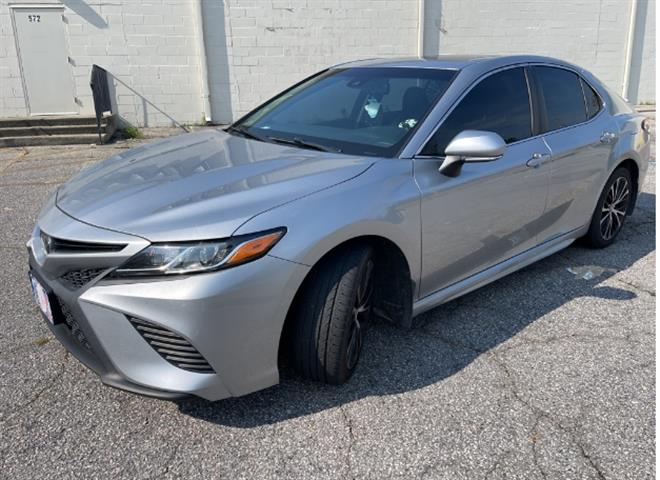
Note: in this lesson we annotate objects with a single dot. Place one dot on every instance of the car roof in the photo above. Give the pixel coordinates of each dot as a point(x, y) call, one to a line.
point(452, 62)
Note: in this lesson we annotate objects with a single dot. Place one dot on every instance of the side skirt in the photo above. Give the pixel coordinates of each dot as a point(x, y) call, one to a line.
point(497, 271)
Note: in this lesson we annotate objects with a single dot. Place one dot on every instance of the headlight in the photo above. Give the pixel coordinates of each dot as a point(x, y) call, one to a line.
point(194, 257)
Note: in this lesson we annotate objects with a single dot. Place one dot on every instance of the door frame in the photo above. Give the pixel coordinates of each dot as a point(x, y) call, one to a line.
point(26, 95)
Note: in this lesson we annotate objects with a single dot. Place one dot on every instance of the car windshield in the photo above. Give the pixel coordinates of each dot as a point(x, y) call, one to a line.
point(359, 111)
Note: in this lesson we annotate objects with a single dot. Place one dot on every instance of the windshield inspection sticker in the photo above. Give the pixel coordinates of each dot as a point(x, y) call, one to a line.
point(372, 107)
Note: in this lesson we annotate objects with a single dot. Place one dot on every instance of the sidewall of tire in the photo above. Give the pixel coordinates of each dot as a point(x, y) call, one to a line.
point(322, 316)
point(594, 236)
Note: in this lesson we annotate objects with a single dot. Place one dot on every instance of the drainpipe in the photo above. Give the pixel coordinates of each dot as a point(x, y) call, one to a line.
point(627, 67)
point(420, 29)
point(198, 6)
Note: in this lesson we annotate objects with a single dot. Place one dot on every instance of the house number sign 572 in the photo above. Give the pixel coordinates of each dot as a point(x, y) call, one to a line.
point(34, 18)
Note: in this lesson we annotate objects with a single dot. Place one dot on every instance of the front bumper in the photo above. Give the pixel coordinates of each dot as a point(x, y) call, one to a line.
point(232, 317)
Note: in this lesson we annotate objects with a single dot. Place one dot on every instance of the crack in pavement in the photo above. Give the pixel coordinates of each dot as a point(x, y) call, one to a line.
point(635, 286)
point(23, 154)
point(51, 383)
point(351, 440)
point(535, 453)
point(58, 181)
point(537, 411)
point(542, 414)
point(48, 165)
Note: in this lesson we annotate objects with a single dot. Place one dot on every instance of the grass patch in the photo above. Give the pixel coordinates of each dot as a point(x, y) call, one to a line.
point(132, 132)
point(42, 341)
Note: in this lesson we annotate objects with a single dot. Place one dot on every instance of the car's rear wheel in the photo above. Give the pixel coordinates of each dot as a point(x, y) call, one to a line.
point(331, 313)
point(611, 210)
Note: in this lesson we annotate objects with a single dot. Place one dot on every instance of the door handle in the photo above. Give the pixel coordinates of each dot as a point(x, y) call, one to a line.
point(607, 137)
point(538, 159)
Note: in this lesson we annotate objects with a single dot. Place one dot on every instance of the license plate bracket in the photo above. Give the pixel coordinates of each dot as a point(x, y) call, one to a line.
point(45, 299)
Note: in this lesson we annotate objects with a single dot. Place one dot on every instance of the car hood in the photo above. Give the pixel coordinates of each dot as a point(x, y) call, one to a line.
point(199, 186)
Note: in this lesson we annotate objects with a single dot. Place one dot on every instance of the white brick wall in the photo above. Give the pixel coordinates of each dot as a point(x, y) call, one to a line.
point(643, 74)
point(149, 45)
point(271, 44)
point(12, 102)
point(255, 48)
point(590, 33)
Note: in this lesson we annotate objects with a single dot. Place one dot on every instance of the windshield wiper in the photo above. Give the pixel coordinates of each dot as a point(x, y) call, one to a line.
point(243, 131)
point(299, 142)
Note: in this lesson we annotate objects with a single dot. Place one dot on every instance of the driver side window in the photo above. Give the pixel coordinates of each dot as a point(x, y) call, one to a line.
point(499, 103)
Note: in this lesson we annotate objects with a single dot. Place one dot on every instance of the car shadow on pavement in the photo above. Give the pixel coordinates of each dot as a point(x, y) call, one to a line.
point(448, 338)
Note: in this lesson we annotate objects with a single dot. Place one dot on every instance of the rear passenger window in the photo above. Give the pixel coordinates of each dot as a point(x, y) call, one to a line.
point(561, 94)
point(499, 103)
point(591, 100)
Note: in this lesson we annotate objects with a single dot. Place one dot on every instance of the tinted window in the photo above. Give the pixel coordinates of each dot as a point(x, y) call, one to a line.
point(591, 100)
point(360, 111)
point(499, 103)
point(561, 93)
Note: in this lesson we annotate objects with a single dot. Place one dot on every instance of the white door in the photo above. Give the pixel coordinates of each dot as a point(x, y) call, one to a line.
point(42, 51)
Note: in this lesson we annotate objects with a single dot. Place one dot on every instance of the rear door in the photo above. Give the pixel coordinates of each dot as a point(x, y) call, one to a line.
point(580, 135)
point(493, 210)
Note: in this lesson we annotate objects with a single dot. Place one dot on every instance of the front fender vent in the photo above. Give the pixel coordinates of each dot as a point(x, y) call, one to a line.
point(172, 347)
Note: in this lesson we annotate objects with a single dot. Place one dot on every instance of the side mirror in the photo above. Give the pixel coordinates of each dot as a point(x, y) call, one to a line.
point(471, 146)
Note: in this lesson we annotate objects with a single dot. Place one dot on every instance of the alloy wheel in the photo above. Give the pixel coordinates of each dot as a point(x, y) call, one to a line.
point(614, 208)
point(360, 314)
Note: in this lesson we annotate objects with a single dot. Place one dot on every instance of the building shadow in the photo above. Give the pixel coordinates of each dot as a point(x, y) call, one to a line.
point(448, 338)
point(86, 12)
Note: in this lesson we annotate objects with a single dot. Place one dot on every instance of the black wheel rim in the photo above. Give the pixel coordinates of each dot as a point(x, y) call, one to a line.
point(614, 208)
point(360, 315)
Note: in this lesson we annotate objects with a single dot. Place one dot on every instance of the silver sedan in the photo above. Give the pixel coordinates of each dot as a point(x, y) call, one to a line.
point(375, 189)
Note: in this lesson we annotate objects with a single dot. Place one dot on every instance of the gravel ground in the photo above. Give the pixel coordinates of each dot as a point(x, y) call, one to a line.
point(548, 373)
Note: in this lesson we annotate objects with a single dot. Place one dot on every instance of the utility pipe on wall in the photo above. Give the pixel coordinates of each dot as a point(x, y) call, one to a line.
point(627, 67)
point(201, 51)
point(420, 31)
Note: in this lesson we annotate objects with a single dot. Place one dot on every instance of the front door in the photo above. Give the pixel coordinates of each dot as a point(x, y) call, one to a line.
point(42, 51)
point(492, 210)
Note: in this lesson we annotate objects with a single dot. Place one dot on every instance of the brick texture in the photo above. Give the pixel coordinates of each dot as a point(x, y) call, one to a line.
point(148, 45)
point(261, 47)
point(256, 48)
point(590, 33)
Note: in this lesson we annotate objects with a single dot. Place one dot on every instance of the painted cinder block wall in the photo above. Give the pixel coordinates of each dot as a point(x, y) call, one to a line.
point(255, 48)
point(150, 45)
point(590, 33)
point(265, 46)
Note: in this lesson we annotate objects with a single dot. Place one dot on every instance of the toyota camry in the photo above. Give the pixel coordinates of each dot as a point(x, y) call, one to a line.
point(373, 189)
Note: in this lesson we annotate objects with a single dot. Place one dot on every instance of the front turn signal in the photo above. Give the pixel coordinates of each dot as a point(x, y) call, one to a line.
point(254, 248)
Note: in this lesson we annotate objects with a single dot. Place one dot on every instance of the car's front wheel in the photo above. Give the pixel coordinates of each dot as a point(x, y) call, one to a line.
point(331, 313)
point(611, 210)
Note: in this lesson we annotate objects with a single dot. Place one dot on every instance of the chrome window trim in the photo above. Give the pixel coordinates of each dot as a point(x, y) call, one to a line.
point(604, 105)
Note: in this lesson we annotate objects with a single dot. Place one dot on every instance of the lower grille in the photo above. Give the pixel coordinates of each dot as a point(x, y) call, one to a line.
point(76, 279)
point(172, 347)
point(73, 325)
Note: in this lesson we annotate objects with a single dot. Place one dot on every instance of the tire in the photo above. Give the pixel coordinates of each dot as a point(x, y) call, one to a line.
point(328, 325)
point(611, 210)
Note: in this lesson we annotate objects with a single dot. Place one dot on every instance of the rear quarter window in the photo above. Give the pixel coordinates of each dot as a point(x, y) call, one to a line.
point(591, 100)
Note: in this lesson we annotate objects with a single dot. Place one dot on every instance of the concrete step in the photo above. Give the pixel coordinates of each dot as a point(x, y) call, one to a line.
point(49, 121)
point(41, 140)
point(48, 130)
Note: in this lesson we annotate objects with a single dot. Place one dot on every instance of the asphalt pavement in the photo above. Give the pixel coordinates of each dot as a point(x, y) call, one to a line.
point(548, 373)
